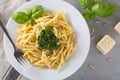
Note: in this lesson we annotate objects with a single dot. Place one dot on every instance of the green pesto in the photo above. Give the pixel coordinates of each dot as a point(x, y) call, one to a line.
point(48, 40)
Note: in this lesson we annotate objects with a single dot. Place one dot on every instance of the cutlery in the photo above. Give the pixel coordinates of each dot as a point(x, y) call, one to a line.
point(17, 52)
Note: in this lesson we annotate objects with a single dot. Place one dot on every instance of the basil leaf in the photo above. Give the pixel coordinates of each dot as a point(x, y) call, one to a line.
point(89, 15)
point(29, 11)
point(37, 14)
point(20, 17)
point(84, 3)
point(37, 8)
point(104, 9)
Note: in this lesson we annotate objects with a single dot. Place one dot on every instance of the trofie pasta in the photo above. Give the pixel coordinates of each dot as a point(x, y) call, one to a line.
point(42, 58)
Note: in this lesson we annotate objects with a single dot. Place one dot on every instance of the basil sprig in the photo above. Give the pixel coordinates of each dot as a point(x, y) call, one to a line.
point(84, 3)
point(28, 16)
point(97, 8)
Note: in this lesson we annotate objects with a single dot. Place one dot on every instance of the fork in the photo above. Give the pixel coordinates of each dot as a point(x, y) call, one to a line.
point(17, 52)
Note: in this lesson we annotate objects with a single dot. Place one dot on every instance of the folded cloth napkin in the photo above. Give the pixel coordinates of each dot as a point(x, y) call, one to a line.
point(6, 8)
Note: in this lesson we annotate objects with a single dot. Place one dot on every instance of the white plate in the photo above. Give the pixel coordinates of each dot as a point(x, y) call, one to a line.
point(83, 41)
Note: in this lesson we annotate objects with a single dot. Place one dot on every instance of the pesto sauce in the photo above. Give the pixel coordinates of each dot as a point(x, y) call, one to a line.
point(48, 40)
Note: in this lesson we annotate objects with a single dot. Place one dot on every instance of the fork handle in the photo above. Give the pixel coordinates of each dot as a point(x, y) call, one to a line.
point(7, 34)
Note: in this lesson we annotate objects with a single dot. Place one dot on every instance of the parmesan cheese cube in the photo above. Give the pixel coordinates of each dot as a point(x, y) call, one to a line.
point(117, 27)
point(105, 44)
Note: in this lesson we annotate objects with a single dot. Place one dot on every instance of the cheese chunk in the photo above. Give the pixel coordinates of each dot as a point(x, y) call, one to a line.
point(105, 44)
point(117, 27)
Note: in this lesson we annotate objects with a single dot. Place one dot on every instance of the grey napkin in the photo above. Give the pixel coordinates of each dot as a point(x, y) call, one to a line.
point(6, 8)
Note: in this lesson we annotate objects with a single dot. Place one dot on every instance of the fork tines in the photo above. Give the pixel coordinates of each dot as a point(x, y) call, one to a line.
point(24, 62)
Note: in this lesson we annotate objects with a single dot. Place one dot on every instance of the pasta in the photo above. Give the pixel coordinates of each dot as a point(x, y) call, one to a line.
point(41, 58)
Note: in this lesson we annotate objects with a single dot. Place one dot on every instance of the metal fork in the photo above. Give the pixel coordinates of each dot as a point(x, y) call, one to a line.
point(17, 52)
